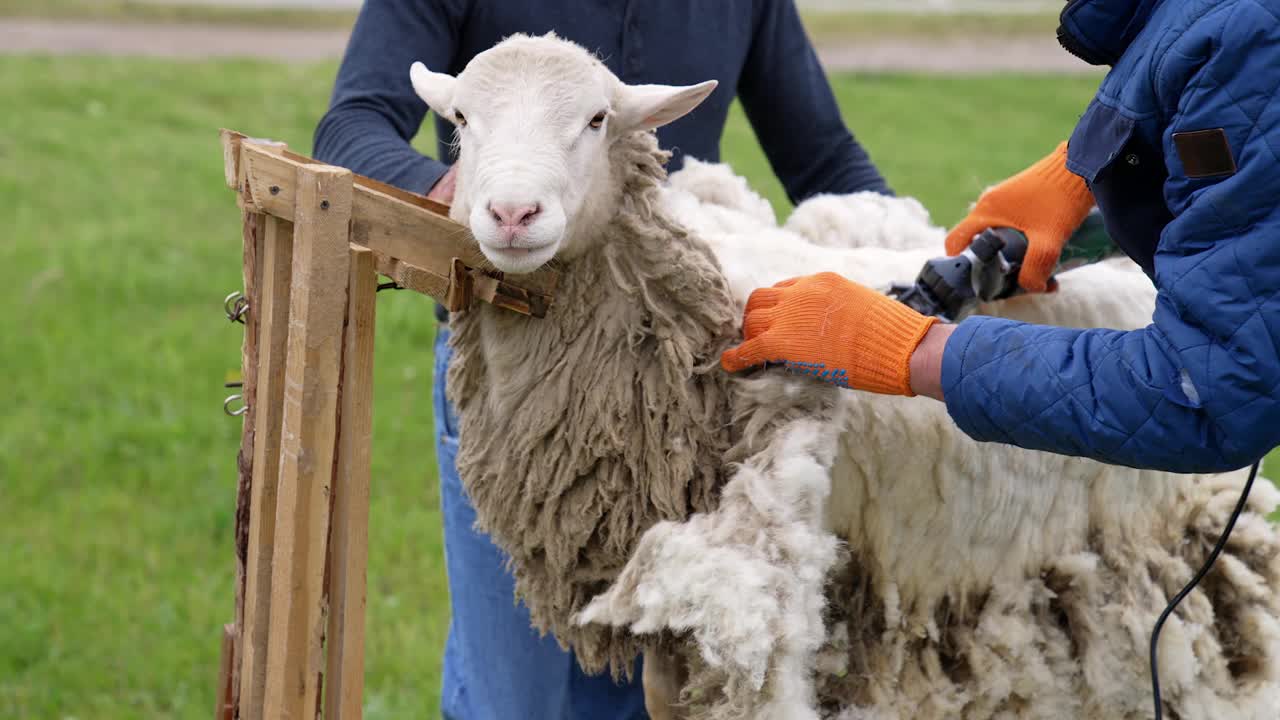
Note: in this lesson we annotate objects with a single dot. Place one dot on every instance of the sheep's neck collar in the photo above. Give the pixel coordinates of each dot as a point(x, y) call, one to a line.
point(468, 284)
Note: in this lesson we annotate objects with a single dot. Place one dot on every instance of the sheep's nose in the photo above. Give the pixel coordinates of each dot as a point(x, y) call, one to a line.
point(514, 214)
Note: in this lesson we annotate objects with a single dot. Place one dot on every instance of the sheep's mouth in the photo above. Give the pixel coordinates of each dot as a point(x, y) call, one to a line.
point(517, 259)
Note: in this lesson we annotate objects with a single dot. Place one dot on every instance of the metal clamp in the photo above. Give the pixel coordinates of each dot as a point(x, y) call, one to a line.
point(235, 306)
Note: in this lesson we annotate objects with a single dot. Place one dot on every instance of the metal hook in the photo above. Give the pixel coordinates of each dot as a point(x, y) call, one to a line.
point(226, 405)
point(235, 306)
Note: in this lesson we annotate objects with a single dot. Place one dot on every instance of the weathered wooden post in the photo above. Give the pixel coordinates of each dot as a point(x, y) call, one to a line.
point(315, 239)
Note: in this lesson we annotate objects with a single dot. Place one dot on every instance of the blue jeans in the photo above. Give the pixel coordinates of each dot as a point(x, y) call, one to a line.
point(496, 667)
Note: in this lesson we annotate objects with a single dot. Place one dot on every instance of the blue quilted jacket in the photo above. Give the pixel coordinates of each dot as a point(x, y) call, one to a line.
point(1181, 148)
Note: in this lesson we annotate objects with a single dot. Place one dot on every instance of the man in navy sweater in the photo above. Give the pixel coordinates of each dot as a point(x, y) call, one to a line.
point(495, 666)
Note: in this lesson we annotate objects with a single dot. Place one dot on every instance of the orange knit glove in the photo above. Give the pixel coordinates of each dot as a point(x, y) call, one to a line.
point(1046, 202)
point(833, 329)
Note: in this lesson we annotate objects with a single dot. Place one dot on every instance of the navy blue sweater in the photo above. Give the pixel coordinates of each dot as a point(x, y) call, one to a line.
point(756, 48)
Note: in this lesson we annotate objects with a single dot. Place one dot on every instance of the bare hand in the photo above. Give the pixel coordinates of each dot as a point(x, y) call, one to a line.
point(442, 191)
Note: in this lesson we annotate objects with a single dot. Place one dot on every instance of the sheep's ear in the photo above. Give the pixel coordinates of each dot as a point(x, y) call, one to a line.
point(644, 107)
point(436, 89)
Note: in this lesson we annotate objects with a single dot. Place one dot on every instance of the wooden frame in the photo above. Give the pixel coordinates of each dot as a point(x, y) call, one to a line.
point(316, 237)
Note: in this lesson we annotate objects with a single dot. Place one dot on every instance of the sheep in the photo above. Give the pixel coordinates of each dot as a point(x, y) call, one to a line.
point(776, 547)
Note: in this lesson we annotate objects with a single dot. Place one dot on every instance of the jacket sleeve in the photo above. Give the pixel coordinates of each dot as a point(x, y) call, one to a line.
point(374, 112)
point(793, 111)
point(1199, 389)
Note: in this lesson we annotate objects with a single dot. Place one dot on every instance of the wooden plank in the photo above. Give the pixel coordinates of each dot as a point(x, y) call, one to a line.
point(505, 295)
point(412, 277)
point(421, 201)
point(268, 407)
point(231, 157)
point(349, 538)
point(422, 238)
point(385, 223)
point(251, 226)
point(317, 306)
point(225, 708)
point(270, 180)
point(391, 225)
point(232, 143)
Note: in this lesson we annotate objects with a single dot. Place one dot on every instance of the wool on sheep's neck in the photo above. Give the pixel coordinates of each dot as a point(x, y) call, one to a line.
point(566, 481)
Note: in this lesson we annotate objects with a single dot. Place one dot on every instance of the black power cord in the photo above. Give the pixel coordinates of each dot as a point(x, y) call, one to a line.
point(1217, 550)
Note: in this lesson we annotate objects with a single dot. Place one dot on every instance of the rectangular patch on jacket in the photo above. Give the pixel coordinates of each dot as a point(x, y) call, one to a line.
point(1205, 153)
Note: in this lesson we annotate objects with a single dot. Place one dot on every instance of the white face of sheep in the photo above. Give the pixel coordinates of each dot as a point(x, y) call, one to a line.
point(535, 118)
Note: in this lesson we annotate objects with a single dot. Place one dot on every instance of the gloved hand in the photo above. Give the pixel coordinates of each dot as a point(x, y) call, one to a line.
point(836, 330)
point(1046, 202)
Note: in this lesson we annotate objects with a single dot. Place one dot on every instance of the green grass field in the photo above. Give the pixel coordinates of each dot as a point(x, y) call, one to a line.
point(116, 462)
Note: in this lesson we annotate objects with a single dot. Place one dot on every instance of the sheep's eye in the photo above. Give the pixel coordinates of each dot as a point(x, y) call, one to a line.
point(598, 121)
point(462, 119)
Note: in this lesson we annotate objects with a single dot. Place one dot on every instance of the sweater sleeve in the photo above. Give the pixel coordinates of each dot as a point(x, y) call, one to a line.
point(374, 112)
point(1198, 390)
point(793, 111)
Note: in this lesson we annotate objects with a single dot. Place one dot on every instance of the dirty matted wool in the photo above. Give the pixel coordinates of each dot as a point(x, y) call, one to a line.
point(582, 430)
point(1070, 640)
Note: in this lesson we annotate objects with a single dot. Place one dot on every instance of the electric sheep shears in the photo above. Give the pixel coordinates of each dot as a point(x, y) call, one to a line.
point(951, 287)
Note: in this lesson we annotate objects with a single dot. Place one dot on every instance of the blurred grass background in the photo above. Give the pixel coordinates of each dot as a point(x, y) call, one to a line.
point(117, 472)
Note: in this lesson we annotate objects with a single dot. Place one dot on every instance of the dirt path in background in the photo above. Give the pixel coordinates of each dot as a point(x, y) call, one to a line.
point(194, 42)
point(190, 42)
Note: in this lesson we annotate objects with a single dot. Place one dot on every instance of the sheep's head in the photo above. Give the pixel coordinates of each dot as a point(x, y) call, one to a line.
point(535, 118)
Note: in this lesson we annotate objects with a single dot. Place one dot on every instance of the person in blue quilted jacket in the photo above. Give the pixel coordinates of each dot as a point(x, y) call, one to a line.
point(1180, 151)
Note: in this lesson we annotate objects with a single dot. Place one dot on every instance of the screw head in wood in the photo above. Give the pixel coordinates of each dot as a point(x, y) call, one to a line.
point(324, 204)
point(275, 189)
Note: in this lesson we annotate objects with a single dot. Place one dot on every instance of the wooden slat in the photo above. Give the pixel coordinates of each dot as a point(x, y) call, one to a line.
point(412, 277)
point(232, 145)
point(420, 237)
point(317, 307)
point(421, 201)
point(349, 538)
point(231, 157)
point(270, 180)
point(385, 218)
point(252, 230)
point(225, 708)
point(268, 407)
point(385, 223)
